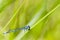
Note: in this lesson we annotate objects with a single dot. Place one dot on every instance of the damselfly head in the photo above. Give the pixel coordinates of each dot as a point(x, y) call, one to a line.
point(27, 27)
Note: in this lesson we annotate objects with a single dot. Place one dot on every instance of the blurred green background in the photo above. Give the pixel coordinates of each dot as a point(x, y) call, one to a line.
point(43, 16)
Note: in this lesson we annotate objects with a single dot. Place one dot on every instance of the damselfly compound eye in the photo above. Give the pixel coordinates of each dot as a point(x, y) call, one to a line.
point(28, 27)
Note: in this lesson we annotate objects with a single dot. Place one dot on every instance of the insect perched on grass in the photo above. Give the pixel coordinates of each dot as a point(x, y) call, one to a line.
point(23, 28)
